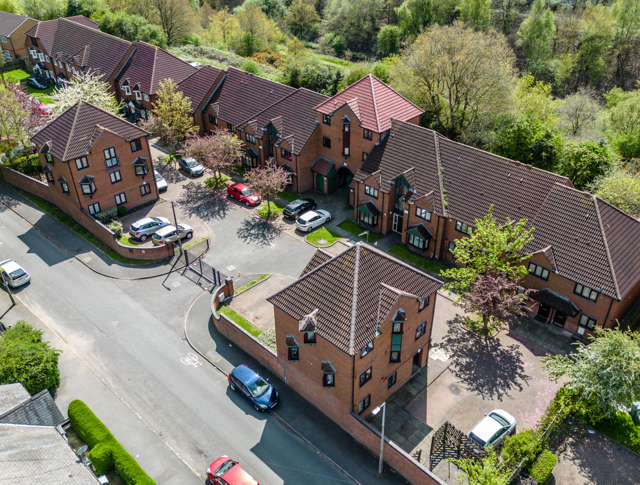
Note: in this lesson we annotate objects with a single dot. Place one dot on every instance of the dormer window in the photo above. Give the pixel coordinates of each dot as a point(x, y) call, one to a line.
point(49, 158)
point(87, 185)
point(328, 374)
point(293, 348)
point(285, 154)
point(138, 95)
point(110, 157)
point(326, 119)
point(47, 58)
point(423, 303)
point(308, 327)
point(140, 165)
point(127, 90)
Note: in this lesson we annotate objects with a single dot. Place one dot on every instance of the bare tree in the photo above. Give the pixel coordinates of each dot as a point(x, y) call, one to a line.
point(176, 17)
point(579, 111)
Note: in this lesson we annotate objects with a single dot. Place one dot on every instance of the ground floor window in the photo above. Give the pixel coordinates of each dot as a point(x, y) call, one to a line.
point(417, 242)
point(364, 404)
point(588, 322)
point(94, 208)
point(121, 198)
point(250, 161)
point(367, 219)
point(145, 189)
point(392, 379)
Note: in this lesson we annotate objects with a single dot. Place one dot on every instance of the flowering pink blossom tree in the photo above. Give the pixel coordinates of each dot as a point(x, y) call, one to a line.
point(268, 181)
point(495, 298)
point(19, 118)
point(217, 152)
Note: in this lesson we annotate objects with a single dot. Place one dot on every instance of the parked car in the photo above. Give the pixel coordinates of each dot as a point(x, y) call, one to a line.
point(253, 387)
point(13, 273)
point(244, 194)
point(192, 167)
point(169, 233)
point(34, 83)
point(225, 471)
point(297, 207)
point(492, 429)
point(44, 111)
point(160, 182)
point(308, 221)
point(144, 228)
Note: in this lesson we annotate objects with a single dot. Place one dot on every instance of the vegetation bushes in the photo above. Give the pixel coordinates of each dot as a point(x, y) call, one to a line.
point(116, 228)
point(105, 452)
point(107, 215)
point(28, 165)
point(523, 445)
point(543, 466)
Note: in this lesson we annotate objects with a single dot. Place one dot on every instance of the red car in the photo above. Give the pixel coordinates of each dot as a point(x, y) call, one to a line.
point(244, 194)
point(225, 471)
point(43, 110)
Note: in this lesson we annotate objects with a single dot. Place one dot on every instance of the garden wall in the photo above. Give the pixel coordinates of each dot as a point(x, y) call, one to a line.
point(95, 227)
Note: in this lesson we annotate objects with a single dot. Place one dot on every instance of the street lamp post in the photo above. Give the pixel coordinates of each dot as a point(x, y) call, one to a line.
point(374, 412)
point(175, 220)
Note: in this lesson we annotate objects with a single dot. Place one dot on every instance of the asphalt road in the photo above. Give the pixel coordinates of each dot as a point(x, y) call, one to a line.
point(129, 334)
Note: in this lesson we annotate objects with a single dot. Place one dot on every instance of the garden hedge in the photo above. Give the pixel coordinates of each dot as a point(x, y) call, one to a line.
point(105, 452)
point(543, 466)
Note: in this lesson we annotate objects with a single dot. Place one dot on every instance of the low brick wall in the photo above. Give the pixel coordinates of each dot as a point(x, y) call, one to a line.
point(95, 227)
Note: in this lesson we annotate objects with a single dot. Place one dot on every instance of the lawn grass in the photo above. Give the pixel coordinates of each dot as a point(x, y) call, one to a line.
point(276, 210)
point(429, 265)
point(217, 182)
point(622, 429)
point(80, 230)
point(322, 233)
point(356, 229)
point(240, 320)
point(126, 240)
point(252, 283)
point(288, 196)
point(19, 75)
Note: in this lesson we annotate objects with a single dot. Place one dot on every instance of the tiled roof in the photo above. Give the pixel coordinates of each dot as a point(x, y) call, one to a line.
point(71, 37)
point(197, 85)
point(28, 452)
point(318, 258)
point(322, 166)
point(39, 410)
point(295, 115)
point(11, 395)
point(593, 243)
point(243, 95)
point(82, 20)
point(73, 132)
point(9, 22)
point(149, 66)
point(555, 300)
point(346, 291)
point(373, 102)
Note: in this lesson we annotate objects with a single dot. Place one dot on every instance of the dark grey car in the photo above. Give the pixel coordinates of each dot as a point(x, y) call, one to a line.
point(191, 166)
point(146, 227)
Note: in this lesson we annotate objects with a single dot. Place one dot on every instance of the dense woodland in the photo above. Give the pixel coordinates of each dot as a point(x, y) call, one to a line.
point(550, 83)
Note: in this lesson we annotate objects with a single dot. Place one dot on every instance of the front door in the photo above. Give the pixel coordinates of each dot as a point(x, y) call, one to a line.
point(397, 223)
point(560, 319)
point(319, 182)
point(544, 311)
point(415, 365)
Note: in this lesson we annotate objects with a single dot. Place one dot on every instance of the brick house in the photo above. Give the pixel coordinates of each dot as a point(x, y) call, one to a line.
point(97, 159)
point(139, 79)
point(288, 132)
point(353, 328)
point(199, 87)
point(63, 48)
point(352, 122)
point(13, 38)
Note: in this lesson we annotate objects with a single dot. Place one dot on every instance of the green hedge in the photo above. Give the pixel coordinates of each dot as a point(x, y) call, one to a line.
point(520, 446)
point(105, 452)
point(543, 466)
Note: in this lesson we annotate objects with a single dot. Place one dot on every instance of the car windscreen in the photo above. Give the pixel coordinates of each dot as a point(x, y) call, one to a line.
point(259, 387)
point(192, 164)
point(224, 468)
point(18, 273)
point(158, 177)
point(500, 420)
point(247, 192)
point(295, 204)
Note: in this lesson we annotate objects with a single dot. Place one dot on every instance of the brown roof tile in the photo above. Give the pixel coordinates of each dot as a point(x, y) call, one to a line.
point(373, 102)
point(322, 166)
point(318, 258)
point(357, 276)
point(9, 22)
point(73, 132)
point(197, 85)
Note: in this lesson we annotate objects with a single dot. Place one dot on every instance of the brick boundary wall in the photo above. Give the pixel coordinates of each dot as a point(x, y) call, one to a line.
point(357, 427)
point(95, 227)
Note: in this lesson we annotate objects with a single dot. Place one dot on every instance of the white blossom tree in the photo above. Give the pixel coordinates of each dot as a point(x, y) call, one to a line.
point(86, 87)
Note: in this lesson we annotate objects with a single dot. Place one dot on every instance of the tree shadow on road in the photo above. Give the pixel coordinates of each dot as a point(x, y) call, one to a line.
point(254, 230)
point(7, 201)
point(201, 201)
point(484, 366)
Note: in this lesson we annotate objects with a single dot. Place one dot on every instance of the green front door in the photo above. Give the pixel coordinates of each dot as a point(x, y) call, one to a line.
point(349, 179)
point(319, 182)
point(332, 181)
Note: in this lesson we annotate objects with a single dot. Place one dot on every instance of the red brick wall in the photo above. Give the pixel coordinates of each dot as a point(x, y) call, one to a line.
point(620, 308)
point(308, 155)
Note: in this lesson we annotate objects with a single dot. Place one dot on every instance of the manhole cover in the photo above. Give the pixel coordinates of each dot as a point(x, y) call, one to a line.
point(322, 242)
point(455, 389)
point(230, 268)
point(176, 284)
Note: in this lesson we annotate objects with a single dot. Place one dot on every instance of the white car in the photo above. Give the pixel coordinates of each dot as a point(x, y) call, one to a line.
point(13, 273)
point(160, 182)
point(492, 429)
point(312, 219)
point(169, 233)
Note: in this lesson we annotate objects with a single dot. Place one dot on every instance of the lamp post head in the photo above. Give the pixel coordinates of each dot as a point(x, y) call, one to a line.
point(377, 410)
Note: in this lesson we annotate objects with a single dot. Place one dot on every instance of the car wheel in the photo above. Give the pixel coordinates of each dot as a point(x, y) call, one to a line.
point(257, 408)
point(328, 218)
point(143, 238)
point(189, 235)
point(246, 202)
point(232, 387)
point(230, 195)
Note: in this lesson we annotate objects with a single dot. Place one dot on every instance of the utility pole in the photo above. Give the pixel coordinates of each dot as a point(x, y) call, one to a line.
point(175, 220)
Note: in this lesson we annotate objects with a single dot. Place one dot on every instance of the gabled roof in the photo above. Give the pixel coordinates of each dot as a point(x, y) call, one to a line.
point(79, 38)
point(149, 65)
point(39, 410)
point(243, 95)
point(318, 258)
point(9, 22)
point(197, 85)
point(593, 243)
point(73, 133)
point(350, 291)
point(11, 395)
point(294, 116)
point(373, 102)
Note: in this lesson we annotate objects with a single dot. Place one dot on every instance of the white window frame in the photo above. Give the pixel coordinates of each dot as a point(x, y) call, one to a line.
point(41, 56)
point(92, 210)
point(138, 95)
point(345, 151)
point(121, 198)
point(84, 165)
point(55, 63)
point(127, 90)
point(47, 58)
point(3, 39)
point(8, 55)
point(371, 191)
point(115, 177)
point(587, 319)
point(33, 52)
point(145, 96)
point(423, 213)
point(145, 189)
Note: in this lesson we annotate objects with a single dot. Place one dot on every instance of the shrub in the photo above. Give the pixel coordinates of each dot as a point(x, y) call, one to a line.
point(122, 211)
point(90, 429)
point(107, 215)
point(543, 466)
point(116, 228)
point(28, 165)
point(266, 56)
point(520, 446)
point(101, 457)
point(250, 67)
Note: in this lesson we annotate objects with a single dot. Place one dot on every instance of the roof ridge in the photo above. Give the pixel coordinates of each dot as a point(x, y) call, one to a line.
point(153, 70)
point(606, 247)
point(354, 300)
point(97, 31)
point(375, 105)
point(436, 143)
point(73, 127)
point(396, 92)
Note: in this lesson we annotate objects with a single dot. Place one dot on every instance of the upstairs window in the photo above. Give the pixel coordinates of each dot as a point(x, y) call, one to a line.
point(539, 271)
point(231, 128)
point(213, 120)
point(326, 119)
point(366, 349)
point(326, 142)
point(87, 185)
point(146, 97)
point(328, 374)
point(41, 56)
point(249, 137)
point(140, 165)
point(136, 145)
point(55, 63)
point(33, 53)
point(47, 58)
point(420, 331)
point(138, 95)
point(392, 379)
point(65, 187)
point(365, 376)
point(121, 198)
point(424, 303)
point(462, 227)
point(145, 189)
point(115, 177)
point(345, 151)
point(8, 55)
point(127, 90)
point(310, 338)
point(293, 347)
point(346, 127)
point(585, 292)
point(396, 341)
point(49, 158)
point(423, 213)
point(588, 322)
point(48, 173)
point(367, 134)
point(110, 157)
point(81, 163)
point(371, 191)
point(3, 39)
point(285, 154)
point(364, 404)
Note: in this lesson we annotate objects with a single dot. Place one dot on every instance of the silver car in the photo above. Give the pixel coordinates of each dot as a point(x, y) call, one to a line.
point(144, 228)
point(13, 273)
point(492, 429)
point(160, 182)
point(169, 233)
point(308, 221)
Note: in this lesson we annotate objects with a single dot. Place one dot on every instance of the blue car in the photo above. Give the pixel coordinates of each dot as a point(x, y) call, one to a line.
point(253, 387)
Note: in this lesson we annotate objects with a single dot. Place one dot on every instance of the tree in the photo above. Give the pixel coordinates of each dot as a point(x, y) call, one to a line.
point(357, 21)
point(605, 373)
point(456, 75)
point(272, 8)
point(132, 28)
point(536, 35)
point(492, 249)
point(357, 73)
point(389, 40)
point(268, 181)
point(596, 36)
point(622, 122)
point(488, 470)
point(303, 20)
point(223, 26)
point(10, 6)
point(88, 8)
point(171, 120)
point(26, 358)
point(176, 17)
point(578, 112)
point(43, 9)
point(416, 15)
point(509, 13)
point(257, 31)
point(476, 13)
point(534, 99)
point(217, 152)
point(621, 188)
point(584, 161)
point(18, 116)
point(87, 87)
